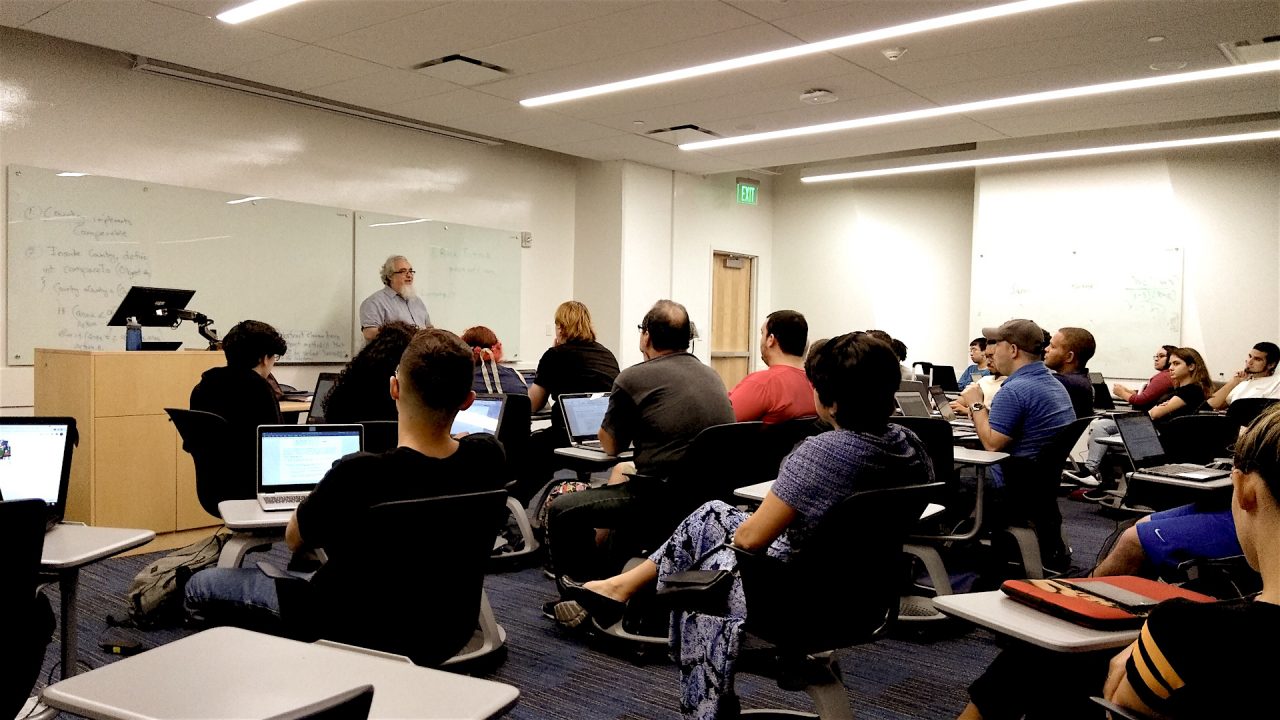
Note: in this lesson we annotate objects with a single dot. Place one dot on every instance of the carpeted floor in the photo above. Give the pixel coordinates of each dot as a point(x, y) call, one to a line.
point(561, 676)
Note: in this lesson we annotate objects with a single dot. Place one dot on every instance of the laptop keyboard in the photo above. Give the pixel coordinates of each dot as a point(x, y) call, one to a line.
point(1175, 469)
point(284, 499)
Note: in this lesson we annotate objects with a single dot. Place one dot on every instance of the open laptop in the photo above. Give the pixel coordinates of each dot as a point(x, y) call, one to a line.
point(1147, 452)
point(1102, 399)
point(916, 387)
point(942, 403)
point(293, 458)
point(583, 414)
point(35, 461)
point(911, 405)
point(484, 415)
point(324, 383)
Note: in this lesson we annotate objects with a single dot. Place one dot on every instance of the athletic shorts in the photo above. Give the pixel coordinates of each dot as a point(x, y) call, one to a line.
point(1174, 536)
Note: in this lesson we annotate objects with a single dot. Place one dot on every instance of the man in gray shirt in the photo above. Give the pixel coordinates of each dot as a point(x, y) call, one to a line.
point(397, 300)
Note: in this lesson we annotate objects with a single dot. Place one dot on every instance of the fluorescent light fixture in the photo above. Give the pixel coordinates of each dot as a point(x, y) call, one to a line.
point(254, 9)
point(1046, 96)
point(71, 174)
point(1053, 155)
point(251, 198)
point(862, 38)
point(402, 222)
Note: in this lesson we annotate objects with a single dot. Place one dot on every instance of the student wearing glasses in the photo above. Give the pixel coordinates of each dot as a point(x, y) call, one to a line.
point(397, 300)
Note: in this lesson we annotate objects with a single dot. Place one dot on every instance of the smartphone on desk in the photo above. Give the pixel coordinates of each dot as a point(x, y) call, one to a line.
point(1127, 599)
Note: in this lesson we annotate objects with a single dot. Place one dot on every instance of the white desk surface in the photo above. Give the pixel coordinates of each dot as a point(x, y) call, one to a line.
point(1216, 484)
point(996, 611)
point(759, 490)
point(249, 515)
point(1111, 440)
point(70, 545)
point(588, 454)
point(981, 458)
point(232, 673)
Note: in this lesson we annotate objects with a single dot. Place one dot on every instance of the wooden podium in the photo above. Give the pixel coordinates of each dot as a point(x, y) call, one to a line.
point(129, 469)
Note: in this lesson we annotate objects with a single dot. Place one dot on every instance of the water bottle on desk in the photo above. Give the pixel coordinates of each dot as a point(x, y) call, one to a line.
point(133, 334)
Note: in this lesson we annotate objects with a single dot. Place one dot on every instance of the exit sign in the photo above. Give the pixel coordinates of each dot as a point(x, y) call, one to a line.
point(748, 191)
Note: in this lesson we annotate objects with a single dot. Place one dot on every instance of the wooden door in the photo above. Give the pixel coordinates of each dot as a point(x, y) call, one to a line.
point(732, 292)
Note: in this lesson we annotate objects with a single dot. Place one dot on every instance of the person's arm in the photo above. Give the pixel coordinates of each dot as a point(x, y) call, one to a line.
point(992, 439)
point(369, 332)
point(1218, 401)
point(608, 443)
point(537, 397)
point(615, 433)
point(1122, 392)
point(1117, 688)
point(765, 524)
point(1173, 404)
point(292, 535)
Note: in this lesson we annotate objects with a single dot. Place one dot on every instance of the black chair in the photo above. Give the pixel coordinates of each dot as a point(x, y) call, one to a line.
point(779, 439)
point(350, 704)
point(842, 590)
point(936, 435)
point(394, 589)
point(1198, 438)
point(224, 470)
point(513, 433)
point(380, 435)
point(26, 612)
point(1243, 411)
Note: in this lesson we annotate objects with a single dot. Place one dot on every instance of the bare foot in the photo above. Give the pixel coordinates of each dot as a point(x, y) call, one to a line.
point(608, 588)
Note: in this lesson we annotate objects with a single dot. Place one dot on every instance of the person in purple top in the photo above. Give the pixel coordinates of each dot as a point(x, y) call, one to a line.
point(854, 377)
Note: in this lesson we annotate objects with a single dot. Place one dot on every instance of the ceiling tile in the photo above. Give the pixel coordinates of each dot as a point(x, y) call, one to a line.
point(305, 68)
point(856, 144)
point(383, 89)
point(125, 25)
point(317, 20)
point(770, 10)
point(459, 26)
point(561, 133)
point(14, 13)
point(450, 106)
point(216, 46)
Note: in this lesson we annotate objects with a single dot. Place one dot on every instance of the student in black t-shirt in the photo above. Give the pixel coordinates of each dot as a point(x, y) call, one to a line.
point(431, 384)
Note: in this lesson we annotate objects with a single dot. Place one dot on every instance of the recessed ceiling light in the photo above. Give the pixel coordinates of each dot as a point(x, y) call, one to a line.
point(1054, 155)
point(251, 198)
point(638, 123)
point(254, 9)
point(1045, 96)
point(72, 174)
point(963, 18)
point(1156, 39)
point(1168, 66)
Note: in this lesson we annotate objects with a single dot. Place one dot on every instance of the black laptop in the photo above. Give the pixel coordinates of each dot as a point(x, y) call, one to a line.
point(1147, 452)
point(324, 383)
point(35, 461)
point(1101, 394)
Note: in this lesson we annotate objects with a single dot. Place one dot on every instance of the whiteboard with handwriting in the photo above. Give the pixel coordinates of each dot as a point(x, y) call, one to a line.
point(467, 275)
point(77, 244)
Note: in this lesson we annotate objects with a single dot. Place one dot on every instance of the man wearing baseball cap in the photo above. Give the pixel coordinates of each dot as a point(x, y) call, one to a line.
point(1031, 408)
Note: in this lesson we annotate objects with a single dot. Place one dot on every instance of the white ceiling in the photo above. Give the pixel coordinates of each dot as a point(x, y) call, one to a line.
point(361, 52)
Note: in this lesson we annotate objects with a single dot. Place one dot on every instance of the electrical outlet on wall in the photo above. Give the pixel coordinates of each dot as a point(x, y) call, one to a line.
point(551, 330)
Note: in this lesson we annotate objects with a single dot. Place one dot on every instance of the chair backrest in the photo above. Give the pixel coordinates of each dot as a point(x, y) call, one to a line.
point(22, 537)
point(844, 588)
point(380, 435)
point(224, 471)
point(350, 704)
point(935, 433)
point(410, 582)
point(513, 431)
point(1031, 490)
point(1198, 438)
point(777, 440)
point(1245, 410)
point(720, 458)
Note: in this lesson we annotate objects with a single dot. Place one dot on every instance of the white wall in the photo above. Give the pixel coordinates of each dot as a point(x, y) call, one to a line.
point(1220, 204)
point(646, 251)
point(69, 106)
point(597, 259)
point(891, 254)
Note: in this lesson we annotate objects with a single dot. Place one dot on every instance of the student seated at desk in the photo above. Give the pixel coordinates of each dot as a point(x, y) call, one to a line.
point(1190, 660)
point(981, 363)
point(490, 377)
point(854, 377)
point(781, 392)
point(1068, 355)
point(360, 392)
point(239, 392)
point(430, 386)
point(1258, 379)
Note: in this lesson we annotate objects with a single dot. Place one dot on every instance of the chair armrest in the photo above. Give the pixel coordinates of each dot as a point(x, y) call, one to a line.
point(275, 573)
point(1119, 712)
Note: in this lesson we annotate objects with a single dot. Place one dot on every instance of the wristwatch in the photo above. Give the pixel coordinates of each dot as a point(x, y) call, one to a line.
point(976, 407)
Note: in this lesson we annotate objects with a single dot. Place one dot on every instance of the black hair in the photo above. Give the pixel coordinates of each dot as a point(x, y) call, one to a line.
point(981, 342)
point(1271, 351)
point(436, 371)
point(856, 373)
point(360, 392)
point(1081, 342)
point(668, 325)
point(899, 349)
point(790, 329)
point(249, 341)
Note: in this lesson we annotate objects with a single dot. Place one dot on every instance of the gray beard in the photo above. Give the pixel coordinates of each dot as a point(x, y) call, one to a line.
point(407, 292)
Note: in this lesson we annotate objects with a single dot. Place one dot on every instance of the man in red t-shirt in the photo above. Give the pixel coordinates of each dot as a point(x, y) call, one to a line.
point(782, 392)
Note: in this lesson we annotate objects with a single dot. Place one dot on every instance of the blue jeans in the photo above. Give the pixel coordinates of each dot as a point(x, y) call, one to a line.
point(226, 594)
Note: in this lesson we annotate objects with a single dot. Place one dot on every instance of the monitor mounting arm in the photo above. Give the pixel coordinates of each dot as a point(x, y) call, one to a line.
point(204, 321)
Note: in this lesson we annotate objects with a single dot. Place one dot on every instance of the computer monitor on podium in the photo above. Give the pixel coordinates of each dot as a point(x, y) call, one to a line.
point(153, 307)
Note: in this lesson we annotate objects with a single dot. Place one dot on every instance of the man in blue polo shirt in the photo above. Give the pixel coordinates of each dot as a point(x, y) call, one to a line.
point(1030, 409)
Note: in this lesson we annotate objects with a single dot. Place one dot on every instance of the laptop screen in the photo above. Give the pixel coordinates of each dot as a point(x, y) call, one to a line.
point(911, 404)
point(1140, 439)
point(35, 460)
point(324, 383)
point(296, 457)
point(583, 414)
point(483, 416)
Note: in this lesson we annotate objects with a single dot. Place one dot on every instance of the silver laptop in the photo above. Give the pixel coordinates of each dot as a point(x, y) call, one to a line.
point(916, 387)
point(911, 404)
point(583, 415)
point(1147, 453)
point(942, 403)
point(293, 458)
point(484, 415)
point(35, 461)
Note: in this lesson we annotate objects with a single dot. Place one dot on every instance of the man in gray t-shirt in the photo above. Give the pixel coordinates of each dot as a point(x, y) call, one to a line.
point(397, 300)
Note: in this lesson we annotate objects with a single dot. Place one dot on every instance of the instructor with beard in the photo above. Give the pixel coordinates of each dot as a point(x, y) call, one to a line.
point(397, 300)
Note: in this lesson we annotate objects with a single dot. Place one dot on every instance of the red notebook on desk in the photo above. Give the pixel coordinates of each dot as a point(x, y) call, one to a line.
point(1105, 603)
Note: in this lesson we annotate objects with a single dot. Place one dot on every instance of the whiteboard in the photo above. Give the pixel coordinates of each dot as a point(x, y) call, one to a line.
point(77, 244)
point(1130, 300)
point(467, 275)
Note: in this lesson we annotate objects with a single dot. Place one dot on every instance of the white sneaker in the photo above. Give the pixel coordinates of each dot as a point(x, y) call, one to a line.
point(1086, 478)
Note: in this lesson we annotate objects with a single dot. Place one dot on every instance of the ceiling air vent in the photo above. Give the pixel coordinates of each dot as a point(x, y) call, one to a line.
point(462, 70)
point(681, 134)
point(1246, 52)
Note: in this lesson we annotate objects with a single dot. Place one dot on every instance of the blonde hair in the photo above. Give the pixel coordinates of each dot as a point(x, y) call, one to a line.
point(574, 321)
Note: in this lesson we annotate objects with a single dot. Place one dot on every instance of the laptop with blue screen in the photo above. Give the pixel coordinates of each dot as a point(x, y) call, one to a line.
point(484, 415)
point(293, 458)
point(583, 415)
